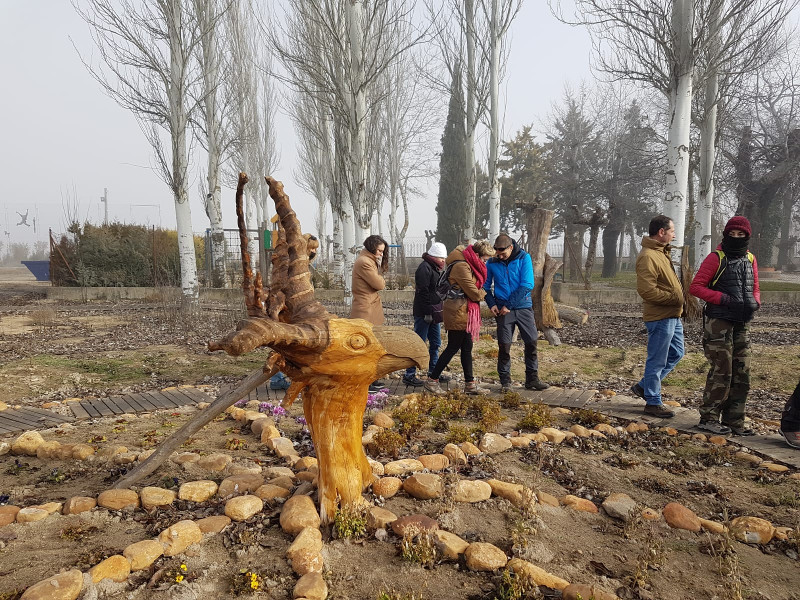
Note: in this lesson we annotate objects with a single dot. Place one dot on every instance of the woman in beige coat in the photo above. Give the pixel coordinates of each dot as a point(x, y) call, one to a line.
point(368, 270)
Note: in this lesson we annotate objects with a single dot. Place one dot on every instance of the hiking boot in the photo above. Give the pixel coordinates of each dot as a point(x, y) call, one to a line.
point(637, 390)
point(432, 386)
point(792, 438)
point(509, 386)
point(444, 378)
point(413, 381)
point(659, 410)
point(471, 389)
point(714, 427)
point(536, 384)
point(741, 430)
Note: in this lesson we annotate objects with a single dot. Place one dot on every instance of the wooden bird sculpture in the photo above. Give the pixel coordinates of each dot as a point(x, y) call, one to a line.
point(330, 360)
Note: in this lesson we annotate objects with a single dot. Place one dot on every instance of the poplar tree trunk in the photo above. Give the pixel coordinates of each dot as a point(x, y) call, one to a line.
point(471, 120)
point(494, 132)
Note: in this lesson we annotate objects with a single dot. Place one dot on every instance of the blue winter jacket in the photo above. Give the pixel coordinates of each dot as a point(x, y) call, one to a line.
point(512, 279)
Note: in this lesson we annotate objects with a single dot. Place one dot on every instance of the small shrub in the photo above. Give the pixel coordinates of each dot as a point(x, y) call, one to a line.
point(387, 443)
point(418, 547)
point(350, 522)
point(410, 419)
point(458, 434)
point(537, 416)
point(44, 317)
point(588, 417)
point(510, 399)
point(77, 533)
point(490, 416)
point(235, 444)
point(392, 595)
point(514, 587)
point(246, 582)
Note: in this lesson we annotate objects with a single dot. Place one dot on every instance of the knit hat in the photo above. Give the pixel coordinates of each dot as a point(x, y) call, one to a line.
point(738, 222)
point(438, 250)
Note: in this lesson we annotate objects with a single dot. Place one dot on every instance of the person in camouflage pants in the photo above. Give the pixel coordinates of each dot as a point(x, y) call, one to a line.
point(727, 347)
point(728, 282)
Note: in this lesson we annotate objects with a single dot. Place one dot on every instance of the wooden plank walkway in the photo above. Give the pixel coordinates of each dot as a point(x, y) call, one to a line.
point(14, 420)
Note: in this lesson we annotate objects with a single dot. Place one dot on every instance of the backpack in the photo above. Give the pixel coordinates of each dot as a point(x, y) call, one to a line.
point(722, 266)
point(444, 289)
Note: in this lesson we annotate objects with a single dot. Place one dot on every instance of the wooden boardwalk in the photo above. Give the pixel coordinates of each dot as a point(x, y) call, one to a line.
point(14, 420)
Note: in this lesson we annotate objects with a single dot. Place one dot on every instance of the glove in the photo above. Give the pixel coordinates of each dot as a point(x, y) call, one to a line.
point(428, 318)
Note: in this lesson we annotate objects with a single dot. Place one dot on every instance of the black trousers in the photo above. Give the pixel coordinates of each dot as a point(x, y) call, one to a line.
point(523, 320)
point(790, 419)
point(456, 341)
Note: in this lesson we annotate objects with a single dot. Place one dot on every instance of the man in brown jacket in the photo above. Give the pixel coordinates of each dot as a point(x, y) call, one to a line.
point(662, 307)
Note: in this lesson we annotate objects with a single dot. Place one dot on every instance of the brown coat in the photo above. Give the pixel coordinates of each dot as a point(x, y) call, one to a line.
point(367, 281)
point(657, 283)
point(455, 311)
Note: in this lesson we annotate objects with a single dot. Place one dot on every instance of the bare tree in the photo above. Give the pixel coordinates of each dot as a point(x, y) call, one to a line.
point(147, 49)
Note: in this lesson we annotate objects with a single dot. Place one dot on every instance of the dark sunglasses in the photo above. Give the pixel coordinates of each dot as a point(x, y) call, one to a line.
point(503, 249)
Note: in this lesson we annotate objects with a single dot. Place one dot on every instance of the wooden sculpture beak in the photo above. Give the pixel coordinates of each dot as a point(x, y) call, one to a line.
point(404, 349)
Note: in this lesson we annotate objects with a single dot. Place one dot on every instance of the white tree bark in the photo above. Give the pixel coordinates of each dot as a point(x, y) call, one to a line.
point(348, 245)
point(494, 127)
point(677, 175)
point(472, 118)
point(354, 12)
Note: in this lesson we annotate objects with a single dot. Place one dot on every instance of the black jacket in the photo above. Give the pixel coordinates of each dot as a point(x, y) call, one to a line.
point(425, 279)
point(738, 283)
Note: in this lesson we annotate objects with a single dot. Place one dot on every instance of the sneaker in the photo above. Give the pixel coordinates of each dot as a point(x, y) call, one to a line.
point(432, 386)
point(658, 410)
point(792, 438)
point(637, 390)
point(743, 430)
point(714, 427)
point(413, 381)
point(536, 384)
point(444, 378)
point(471, 389)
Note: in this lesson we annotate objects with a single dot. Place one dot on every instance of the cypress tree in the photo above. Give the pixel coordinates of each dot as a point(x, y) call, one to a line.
point(450, 209)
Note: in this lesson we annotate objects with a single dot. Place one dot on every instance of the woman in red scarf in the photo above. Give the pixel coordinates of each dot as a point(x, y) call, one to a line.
point(462, 311)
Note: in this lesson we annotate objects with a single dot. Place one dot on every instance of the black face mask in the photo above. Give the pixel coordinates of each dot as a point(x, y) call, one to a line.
point(735, 246)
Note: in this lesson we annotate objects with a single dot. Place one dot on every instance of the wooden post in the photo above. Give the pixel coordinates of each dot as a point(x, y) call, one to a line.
point(544, 269)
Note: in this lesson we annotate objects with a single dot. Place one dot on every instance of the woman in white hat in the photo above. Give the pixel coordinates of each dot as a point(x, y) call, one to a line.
point(428, 307)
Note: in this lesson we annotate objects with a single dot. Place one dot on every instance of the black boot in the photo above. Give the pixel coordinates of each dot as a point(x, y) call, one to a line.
point(534, 383)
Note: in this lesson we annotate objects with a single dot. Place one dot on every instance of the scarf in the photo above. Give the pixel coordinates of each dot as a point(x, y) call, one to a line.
point(478, 268)
point(432, 262)
point(735, 247)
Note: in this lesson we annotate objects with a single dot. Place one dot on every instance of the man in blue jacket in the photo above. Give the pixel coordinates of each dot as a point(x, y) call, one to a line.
point(511, 274)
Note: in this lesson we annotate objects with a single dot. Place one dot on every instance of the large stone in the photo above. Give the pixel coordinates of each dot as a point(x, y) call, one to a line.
point(270, 432)
point(213, 524)
point(185, 458)
point(31, 514)
point(607, 429)
point(379, 518)
point(116, 568)
point(214, 462)
point(536, 575)
point(27, 443)
point(434, 462)
point(239, 484)
point(418, 523)
point(513, 492)
point(580, 431)
point(402, 467)
point(308, 540)
point(197, 491)
point(48, 450)
point(64, 586)
point(535, 437)
point(717, 440)
point(455, 454)
point(773, 467)
point(281, 446)
point(50, 507)
point(521, 441)
point(143, 554)
point(553, 435)
point(271, 493)
point(472, 491)
point(8, 514)
point(493, 443)
point(678, 516)
point(481, 556)
point(125, 458)
point(157, 496)
point(284, 482)
point(368, 438)
point(382, 419)
point(307, 463)
point(241, 508)
point(82, 451)
point(424, 486)
point(449, 544)
point(305, 562)
point(547, 499)
point(5, 448)
point(649, 514)
point(620, 506)
point(258, 425)
point(179, 536)
point(275, 472)
point(748, 458)
point(469, 449)
point(752, 530)
point(578, 591)
point(298, 513)
point(311, 586)
point(118, 499)
point(377, 467)
point(387, 487)
point(581, 504)
point(712, 526)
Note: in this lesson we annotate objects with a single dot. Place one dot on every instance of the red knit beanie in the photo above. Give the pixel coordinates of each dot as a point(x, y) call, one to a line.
point(738, 222)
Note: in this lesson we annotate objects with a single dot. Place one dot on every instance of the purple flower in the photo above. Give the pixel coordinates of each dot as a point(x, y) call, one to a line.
point(301, 420)
point(265, 407)
point(241, 403)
